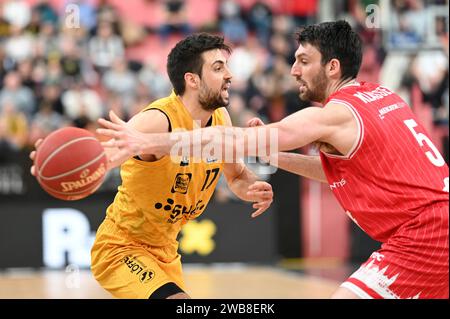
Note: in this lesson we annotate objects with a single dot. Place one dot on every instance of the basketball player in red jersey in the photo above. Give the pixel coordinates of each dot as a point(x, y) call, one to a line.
point(375, 155)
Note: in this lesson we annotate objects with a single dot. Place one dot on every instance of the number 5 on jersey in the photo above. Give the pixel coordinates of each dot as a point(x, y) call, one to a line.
point(434, 156)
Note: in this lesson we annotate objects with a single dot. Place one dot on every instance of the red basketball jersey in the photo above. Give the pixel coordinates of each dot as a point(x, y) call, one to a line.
point(393, 171)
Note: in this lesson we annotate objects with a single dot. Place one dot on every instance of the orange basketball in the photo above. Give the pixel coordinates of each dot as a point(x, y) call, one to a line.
point(70, 163)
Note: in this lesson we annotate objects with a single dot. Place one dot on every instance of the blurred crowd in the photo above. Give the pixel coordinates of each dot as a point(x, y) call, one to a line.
point(69, 64)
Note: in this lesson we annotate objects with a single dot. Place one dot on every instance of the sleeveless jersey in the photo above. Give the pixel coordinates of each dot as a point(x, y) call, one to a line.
point(157, 198)
point(393, 171)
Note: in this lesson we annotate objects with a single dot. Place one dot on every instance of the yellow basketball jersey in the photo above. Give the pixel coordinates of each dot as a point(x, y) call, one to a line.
point(157, 198)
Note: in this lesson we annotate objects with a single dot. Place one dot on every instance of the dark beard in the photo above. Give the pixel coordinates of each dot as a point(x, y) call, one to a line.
point(317, 93)
point(210, 100)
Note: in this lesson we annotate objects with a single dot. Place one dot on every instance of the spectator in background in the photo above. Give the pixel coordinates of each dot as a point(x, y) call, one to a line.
point(51, 95)
point(115, 103)
point(281, 42)
point(239, 113)
point(105, 47)
point(279, 46)
point(25, 70)
point(54, 73)
point(121, 81)
point(13, 125)
point(277, 81)
point(71, 62)
point(430, 71)
point(19, 95)
point(79, 101)
point(19, 46)
point(253, 94)
point(75, 61)
point(242, 63)
point(5, 26)
point(175, 19)
point(39, 73)
point(46, 12)
point(3, 61)
point(17, 13)
point(34, 27)
point(156, 82)
point(260, 20)
point(7, 150)
point(231, 21)
point(44, 122)
point(142, 97)
point(46, 42)
point(441, 31)
point(408, 23)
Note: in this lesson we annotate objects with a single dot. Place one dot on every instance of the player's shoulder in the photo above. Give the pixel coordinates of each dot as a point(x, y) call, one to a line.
point(223, 117)
point(337, 113)
point(161, 103)
point(150, 120)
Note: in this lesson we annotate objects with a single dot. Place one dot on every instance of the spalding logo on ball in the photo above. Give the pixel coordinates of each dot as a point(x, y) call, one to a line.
point(70, 163)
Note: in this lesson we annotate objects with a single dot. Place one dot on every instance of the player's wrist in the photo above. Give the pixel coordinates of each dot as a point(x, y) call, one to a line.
point(149, 144)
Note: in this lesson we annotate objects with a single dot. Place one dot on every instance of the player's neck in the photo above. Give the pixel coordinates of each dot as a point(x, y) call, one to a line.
point(336, 86)
point(194, 108)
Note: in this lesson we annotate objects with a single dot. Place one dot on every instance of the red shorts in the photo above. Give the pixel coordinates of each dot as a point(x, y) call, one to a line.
point(413, 263)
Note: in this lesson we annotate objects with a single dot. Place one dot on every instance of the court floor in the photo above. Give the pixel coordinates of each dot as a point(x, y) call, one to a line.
point(222, 281)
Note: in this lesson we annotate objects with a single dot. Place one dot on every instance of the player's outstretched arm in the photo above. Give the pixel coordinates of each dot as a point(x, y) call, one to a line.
point(244, 183)
point(333, 124)
point(308, 166)
point(151, 121)
point(304, 165)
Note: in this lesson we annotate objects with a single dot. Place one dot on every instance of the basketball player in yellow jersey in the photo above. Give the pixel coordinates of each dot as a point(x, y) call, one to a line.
point(135, 250)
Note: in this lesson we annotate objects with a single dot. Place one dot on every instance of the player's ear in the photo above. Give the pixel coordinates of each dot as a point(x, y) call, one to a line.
point(192, 80)
point(333, 67)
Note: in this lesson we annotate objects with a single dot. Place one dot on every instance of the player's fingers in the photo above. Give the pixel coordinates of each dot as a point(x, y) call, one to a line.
point(108, 132)
point(258, 205)
point(114, 158)
point(120, 143)
point(32, 155)
point(38, 142)
point(120, 156)
point(110, 143)
point(251, 123)
point(114, 118)
point(109, 124)
point(258, 195)
point(259, 185)
point(262, 203)
point(33, 170)
point(255, 122)
point(259, 212)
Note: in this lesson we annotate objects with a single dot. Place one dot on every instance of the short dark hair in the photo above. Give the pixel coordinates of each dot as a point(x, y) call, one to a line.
point(335, 40)
point(186, 57)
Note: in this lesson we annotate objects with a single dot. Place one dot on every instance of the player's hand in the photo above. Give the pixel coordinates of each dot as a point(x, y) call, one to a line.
point(256, 121)
point(262, 195)
point(33, 156)
point(128, 140)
